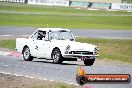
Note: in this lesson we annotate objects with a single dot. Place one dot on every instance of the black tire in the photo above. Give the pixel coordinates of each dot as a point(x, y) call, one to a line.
point(56, 56)
point(89, 62)
point(26, 54)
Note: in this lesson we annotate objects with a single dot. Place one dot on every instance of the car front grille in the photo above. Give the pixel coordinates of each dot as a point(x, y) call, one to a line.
point(81, 52)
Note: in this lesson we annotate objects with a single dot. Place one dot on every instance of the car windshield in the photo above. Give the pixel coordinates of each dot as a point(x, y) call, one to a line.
point(61, 35)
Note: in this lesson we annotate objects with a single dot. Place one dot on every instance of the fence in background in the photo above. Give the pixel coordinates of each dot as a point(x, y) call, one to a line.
point(16, 1)
point(96, 5)
point(121, 6)
point(41, 2)
point(102, 1)
point(49, 2)
point(99, 5)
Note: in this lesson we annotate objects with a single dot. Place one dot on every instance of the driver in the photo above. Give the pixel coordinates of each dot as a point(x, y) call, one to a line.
point(41, 35)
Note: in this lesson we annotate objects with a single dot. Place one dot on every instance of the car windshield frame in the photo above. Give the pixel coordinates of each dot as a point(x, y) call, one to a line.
point(61, 35)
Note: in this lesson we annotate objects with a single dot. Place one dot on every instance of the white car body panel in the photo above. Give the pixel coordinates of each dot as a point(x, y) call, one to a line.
point(43, 48)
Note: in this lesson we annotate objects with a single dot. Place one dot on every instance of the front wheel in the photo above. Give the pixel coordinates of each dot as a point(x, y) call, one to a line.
point(56, 56)
point(89, 62)
point(26, 54)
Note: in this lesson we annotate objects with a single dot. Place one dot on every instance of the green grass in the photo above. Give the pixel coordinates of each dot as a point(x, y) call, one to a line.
point(111, 49)
point(11, 44)
point(23, 82)
point(92, 22)
point(128, 1)
point(64, 17)
point(55, 85)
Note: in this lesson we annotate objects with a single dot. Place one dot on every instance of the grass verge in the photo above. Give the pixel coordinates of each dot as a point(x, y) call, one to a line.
point(63, 21)
point(12, 81)
point(64, 17)
point(111, 49)
point(10, 44)
point(128, 1)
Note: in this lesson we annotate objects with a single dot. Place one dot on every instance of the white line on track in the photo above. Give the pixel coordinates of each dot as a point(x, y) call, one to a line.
point(40, 68)
point(52, 80)
point(24, 66)
point(17, 75)
point(13, 35)
point(5, 35)
point(31, 76)
point(17, 65)
point(5, 65)
point(1, 63)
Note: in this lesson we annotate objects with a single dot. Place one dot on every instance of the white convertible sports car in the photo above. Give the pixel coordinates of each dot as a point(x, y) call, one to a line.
point(55, 44)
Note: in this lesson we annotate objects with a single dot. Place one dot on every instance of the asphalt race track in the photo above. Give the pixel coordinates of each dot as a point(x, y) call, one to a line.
point(116, 34)
point(65, 72)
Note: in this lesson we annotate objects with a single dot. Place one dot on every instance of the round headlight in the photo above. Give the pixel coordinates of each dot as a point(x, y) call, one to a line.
point(96, 50)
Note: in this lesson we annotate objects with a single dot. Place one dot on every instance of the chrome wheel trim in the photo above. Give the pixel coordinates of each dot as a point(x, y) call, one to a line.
point(26, 53)
point(56, 56)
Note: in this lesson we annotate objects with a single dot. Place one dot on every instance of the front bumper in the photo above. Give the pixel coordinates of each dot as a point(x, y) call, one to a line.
point(78, 56)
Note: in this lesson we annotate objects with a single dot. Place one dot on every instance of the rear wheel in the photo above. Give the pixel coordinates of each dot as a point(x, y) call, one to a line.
point(89, 62)
point(56, 56)
point(26, 54)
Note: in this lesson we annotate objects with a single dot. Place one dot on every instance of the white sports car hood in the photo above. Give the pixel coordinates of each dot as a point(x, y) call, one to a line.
point(75, 46)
